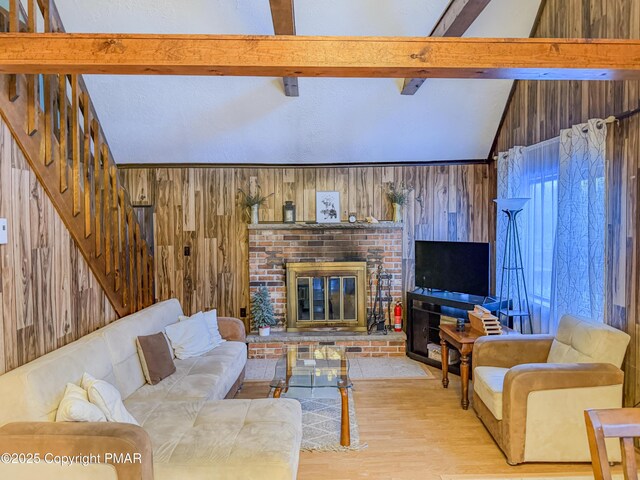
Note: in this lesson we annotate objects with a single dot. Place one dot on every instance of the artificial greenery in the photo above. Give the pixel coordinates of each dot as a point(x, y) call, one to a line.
point(262, 309)
point(398, 194)
point(249, 200)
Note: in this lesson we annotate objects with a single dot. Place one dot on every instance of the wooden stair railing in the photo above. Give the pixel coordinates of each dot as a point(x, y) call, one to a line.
point(57, 128)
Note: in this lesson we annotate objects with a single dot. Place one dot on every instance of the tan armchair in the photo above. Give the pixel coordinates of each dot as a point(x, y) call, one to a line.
point(531, 391)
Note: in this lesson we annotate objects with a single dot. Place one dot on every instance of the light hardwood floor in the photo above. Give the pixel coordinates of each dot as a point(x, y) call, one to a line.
point(415, 430)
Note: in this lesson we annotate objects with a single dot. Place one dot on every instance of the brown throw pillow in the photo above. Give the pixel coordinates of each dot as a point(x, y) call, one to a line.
point(155, 357)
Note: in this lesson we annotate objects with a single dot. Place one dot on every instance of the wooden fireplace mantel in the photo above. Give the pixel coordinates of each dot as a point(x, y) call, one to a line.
point(325, 226)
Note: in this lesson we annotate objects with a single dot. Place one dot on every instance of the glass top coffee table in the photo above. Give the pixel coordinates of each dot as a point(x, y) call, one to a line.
point(303, 369)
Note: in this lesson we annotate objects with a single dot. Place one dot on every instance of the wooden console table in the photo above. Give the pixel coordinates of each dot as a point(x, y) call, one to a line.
point(463, 342)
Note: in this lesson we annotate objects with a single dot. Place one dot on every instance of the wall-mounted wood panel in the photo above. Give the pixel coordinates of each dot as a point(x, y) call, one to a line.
point(539, 110)
point(623, 247)
point(197, 207)
point(48, 295)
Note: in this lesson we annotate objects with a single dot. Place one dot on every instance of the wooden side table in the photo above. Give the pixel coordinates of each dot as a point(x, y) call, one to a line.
point(463, 342)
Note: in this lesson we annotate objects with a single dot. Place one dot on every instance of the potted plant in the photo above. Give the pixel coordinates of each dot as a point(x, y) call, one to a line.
point(398, 196)
point(262, 311)
point(252, 202)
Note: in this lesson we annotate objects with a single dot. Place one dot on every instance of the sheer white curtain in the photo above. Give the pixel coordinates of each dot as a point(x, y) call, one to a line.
point(532, 172)
point(580, 240)
point(562, 226)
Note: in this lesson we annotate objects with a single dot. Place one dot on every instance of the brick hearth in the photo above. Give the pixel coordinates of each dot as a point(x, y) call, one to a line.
point(357, 345)
point(272, 246)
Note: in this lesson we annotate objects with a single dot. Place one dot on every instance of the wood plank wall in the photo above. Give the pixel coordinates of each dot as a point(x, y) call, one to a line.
point(48, 295)
point(539, 110)
point(198, 207)
point(623, 247)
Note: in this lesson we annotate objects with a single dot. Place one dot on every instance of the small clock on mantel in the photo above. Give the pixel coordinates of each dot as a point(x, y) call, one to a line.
point(352, 218)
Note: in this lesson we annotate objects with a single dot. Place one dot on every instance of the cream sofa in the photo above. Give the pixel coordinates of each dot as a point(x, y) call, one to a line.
point(531, 391)
point(193, 431)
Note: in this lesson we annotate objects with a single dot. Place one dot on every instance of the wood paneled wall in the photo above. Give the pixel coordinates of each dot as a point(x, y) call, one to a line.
point(623, 243)
point(48, 295)
point(539, 110)
point(197, 207)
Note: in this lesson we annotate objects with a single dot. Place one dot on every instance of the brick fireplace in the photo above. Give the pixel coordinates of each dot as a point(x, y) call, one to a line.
point(273, 246)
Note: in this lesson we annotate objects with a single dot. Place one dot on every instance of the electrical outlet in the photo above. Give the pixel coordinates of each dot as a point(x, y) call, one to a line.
point(243, 312)
point(3, 231)
point(187, 251)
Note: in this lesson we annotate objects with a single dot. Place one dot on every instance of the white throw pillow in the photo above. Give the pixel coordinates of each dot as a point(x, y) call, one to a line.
point(191, 337)
point(75, 407)
point(211, 317)
point(108, 399)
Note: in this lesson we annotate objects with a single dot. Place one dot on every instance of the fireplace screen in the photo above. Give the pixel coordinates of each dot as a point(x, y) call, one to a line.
point(327, 298)
point(329, 294)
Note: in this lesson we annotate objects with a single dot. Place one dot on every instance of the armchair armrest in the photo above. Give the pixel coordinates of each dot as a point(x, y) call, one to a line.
point(232, 329)
point(522, 380)
point(506, 351)
point(107, 439)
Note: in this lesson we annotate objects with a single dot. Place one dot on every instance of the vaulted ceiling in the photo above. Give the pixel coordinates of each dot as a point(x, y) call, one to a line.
point(155, 119)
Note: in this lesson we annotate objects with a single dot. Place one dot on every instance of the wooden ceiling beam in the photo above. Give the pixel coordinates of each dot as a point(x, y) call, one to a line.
point(278, 56)
point(456, 19)
point(283, 17)
point(284, 23)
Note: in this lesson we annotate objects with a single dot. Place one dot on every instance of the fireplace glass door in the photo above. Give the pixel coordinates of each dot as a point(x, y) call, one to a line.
point(325, 297)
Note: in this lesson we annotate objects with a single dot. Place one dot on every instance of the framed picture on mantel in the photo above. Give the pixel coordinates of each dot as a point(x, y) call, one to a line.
point(328, 207)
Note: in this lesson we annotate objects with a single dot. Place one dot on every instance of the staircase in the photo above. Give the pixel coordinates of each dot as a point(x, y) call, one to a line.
point(57, 128)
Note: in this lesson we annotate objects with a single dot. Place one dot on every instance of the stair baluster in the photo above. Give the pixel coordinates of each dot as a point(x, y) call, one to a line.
point(64, 133)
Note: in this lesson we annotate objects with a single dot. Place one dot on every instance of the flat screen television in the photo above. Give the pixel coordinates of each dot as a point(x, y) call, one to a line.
point(461, 267)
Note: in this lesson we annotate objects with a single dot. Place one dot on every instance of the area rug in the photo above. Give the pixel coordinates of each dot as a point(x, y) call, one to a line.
point(375, 368)
point(321, 420)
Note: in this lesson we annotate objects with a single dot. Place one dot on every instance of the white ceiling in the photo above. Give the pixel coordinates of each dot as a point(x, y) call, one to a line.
point(153, 119)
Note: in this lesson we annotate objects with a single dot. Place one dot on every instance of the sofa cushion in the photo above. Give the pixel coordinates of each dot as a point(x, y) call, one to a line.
point(222, 439)
point(581, 340)
point(121, 336)
point(155, 355)
point(208, 377)
point(33, 391)
point(488, 383)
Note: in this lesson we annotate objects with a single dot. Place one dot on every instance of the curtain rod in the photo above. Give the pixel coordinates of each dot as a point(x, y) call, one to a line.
point(610, 119)
point(625, 115)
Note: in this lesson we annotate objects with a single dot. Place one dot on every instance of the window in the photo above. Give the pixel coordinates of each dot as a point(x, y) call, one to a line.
point(532, 172)
point(544, 194)
point(562, 227)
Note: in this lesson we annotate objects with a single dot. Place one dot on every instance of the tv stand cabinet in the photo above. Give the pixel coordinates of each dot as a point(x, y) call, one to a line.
point(424, 309)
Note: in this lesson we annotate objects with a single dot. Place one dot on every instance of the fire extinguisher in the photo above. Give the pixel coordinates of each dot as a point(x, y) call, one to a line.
point(397, 316)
